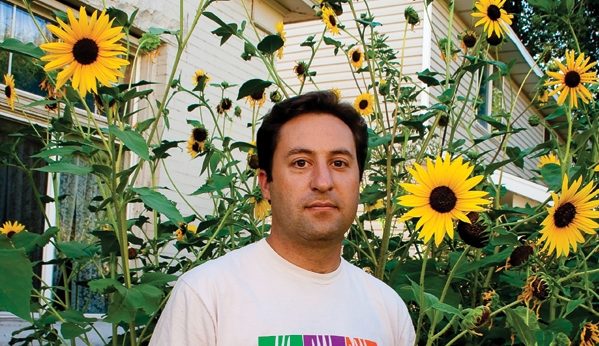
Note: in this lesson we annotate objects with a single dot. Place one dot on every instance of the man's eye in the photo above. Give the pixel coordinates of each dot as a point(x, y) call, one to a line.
point(300, 163)
point(339, 163)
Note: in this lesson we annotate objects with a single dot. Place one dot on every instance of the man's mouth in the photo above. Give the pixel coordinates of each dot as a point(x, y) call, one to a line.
point(321, 205)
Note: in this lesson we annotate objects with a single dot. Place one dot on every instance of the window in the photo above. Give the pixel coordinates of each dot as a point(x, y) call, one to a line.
point(16, 23)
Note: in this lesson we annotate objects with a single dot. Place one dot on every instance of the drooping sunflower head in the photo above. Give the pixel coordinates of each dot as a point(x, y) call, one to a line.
point(570, 216)
point(261, 208)
point(494, 18)
point(438, 198)
point(364, 104)
point(256, 99)
point(468, 39)
point(224, 105)
point(570, 79)
point(10, 228)
point(200, 79)
point(329, 18)
point(547, 159)
point(197, 141)
point(87, 52)
point(301, 70)
point(280, 27)
point(589, 336)
point(536, 290)
point(9, 90)
point(494, 40)
point(356, 57)
point(474, 233)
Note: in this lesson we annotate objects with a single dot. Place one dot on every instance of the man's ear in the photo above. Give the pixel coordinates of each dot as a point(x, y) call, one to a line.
point(264, 184)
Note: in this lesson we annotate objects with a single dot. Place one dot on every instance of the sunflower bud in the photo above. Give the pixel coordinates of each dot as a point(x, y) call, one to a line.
point(561, 339)
point(411, 16)
point(275, 96)
point(384, 87)
point(534, 120)
point(476, 318)
point(474, 233)
point(237, 111)
point(149, 42)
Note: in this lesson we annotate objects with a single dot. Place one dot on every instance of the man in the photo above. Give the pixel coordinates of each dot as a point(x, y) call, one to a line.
point(293, 288)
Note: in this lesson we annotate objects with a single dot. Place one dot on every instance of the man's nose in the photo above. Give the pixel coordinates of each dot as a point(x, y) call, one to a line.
point(322, 179)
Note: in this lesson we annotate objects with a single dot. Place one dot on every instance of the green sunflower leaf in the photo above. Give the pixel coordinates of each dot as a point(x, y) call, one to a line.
point(270, 44)
point(552, 175)
point(16, 46)
point(252, 86)
point(65, 167)
point(525, 329)
point(160, 203)
point(15, 282)
point(132, 140)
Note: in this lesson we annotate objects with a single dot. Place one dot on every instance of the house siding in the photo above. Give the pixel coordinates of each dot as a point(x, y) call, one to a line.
point(334, 70)
point(530, 137)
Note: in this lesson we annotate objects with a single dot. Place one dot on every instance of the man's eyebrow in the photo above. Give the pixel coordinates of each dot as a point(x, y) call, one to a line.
point(296, 151)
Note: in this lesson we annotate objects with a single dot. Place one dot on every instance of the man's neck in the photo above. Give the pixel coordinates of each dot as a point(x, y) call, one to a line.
point(319, 258)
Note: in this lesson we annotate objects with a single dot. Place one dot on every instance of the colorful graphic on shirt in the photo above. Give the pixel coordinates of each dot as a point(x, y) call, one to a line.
point(312, 340)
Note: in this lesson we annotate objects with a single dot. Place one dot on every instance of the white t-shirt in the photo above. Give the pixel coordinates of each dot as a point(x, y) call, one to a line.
point(254, 297)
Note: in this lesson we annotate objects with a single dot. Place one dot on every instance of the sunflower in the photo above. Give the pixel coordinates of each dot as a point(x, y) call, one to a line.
point(87, 51)
point(224, 105)
point(468, 39)
point(571, 213)
point(570, 79)
point(261, 208)
point(547, 159)
point(356, 57)
point(330, 20)
point(589, 336)
point(301, 70)
point(536, 290)
point(438, 198)
point(11, 228)
point(280, 27)
point(200, 79)
point(197, 141)
point(493, 16)
point(184, 229)
point(256, 99)
point(364, 104)
point(9, 90)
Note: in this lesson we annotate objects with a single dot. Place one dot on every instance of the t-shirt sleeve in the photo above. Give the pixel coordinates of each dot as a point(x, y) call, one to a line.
point(185, 320)
point(407, 334)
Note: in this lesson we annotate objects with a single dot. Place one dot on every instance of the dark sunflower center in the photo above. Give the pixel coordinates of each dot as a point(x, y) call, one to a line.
point(564, 215)
point(572, 79)
point(332, 20)
point(8, 91)
point(10, 234)
point(85, 51)
point(257, 96)
point(200, 134)
point(195, 147)
point(363, 104)
point(469, 41)
point(493, 12)
point(356, 56)
point(442, 199)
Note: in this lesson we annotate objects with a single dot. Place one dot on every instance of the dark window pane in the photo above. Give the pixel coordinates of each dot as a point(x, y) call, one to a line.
point(28, 75)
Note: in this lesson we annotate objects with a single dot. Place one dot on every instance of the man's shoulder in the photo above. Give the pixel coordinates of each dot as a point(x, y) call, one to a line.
point(372, 283)
point(231, 263)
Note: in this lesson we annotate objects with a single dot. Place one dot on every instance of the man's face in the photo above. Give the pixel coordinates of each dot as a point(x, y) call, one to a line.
point(315, 180)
